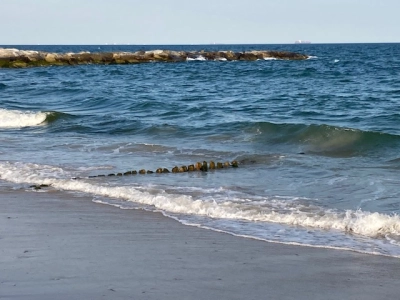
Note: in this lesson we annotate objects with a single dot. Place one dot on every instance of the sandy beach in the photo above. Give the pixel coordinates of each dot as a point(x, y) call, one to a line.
point(59, 246)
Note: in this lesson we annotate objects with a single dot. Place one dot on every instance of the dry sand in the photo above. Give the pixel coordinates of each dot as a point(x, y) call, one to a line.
point(58, 246)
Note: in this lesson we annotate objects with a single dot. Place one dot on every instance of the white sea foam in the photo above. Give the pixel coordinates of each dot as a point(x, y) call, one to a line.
point(275, 210)
point(198, 58)
point(18, 119)
point(104, 167)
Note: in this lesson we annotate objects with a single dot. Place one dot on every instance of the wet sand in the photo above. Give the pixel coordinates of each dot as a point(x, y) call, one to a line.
point(59, 246)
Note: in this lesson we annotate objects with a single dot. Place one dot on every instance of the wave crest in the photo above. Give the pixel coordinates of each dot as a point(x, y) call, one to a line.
point(324, 139)
point(19, 119)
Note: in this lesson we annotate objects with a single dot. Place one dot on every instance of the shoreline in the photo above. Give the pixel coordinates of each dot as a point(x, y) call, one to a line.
point(61, 246)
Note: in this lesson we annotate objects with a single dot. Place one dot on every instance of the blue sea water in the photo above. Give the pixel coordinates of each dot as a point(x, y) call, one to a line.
point(318, 141)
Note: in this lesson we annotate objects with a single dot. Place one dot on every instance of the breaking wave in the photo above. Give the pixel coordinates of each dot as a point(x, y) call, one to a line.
point(292, 212)
point(198, 58)
point(20, 119)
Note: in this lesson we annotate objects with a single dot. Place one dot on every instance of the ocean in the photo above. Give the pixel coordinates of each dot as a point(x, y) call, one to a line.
point(317, 141)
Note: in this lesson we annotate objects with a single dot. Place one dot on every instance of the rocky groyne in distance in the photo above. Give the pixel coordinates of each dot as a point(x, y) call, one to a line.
point(14, 58)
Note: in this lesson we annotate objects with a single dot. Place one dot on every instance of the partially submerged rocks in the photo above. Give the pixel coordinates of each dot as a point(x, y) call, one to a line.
point(203, 167)
point(15, 58)
point(199, 166)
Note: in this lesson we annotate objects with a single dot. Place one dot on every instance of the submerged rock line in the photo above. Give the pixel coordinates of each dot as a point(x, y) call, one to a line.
point(199, 166)
point(15, 58)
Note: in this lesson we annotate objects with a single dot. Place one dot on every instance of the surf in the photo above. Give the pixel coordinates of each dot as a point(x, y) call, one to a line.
point(20, 119)
point(223, 206)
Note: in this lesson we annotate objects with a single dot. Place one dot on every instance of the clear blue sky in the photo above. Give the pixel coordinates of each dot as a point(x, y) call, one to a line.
point(198, 22)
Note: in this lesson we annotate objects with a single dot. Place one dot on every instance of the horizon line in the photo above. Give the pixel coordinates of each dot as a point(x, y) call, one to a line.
point(189, 44)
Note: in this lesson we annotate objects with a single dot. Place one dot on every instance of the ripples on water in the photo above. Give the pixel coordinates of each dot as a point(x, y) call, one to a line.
point(318, 139)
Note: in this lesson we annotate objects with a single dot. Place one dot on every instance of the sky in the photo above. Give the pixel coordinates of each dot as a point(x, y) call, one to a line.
point(163, 22)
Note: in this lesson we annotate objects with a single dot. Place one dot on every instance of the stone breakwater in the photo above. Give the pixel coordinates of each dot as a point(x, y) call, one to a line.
point(14, 58)
point(199, 166)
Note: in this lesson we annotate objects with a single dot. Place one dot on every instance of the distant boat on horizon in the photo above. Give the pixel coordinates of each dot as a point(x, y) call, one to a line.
point(302, 42)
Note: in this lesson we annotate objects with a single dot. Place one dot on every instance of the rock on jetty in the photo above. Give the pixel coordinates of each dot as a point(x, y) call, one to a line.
point(14, 58)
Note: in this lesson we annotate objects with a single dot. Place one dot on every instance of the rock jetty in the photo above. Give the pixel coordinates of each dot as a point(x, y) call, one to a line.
point(14, 58)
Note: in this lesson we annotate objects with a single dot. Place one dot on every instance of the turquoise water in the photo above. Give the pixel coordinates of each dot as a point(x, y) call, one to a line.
point(317, 140)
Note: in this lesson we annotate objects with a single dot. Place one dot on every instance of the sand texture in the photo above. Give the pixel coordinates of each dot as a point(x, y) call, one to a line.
point(58, 246)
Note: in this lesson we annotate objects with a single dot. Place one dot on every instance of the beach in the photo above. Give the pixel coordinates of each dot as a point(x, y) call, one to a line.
point(64, 246)
point(315, 140)
point(310, 209)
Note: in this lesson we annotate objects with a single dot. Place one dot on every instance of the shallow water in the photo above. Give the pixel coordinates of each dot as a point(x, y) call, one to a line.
point(317, 140)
